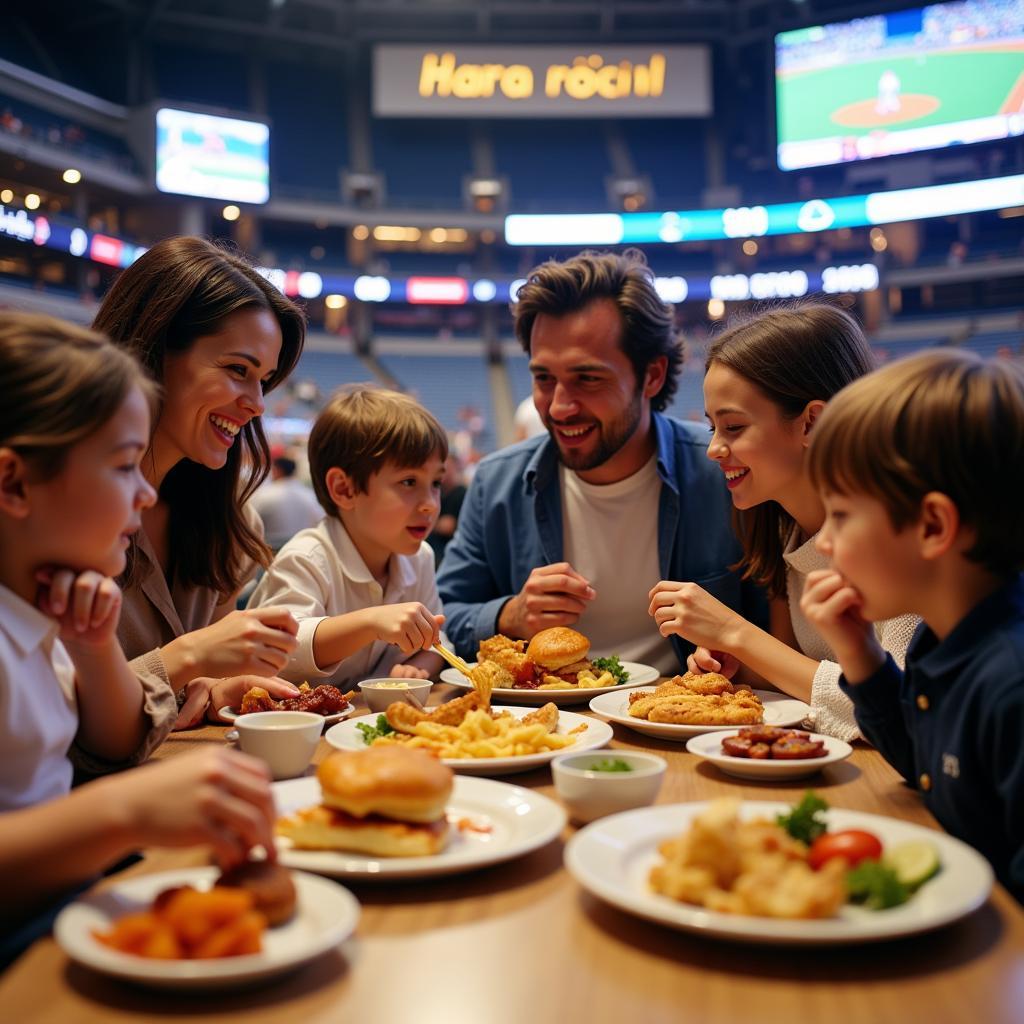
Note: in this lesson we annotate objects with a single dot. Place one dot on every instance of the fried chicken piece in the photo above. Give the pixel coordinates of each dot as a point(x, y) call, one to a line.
point(404, 717)
point(707, 683)
point(724, 709)
point(320, 700)
point(509, 654)
point(256, 699)
point(546, 715)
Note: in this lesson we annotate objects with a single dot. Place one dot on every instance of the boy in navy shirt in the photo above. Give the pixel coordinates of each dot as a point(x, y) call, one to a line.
point(921, 468)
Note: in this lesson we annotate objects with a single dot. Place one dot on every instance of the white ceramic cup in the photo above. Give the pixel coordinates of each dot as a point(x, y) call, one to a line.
point(379, 697)
point(589, 794)
point(285, 740)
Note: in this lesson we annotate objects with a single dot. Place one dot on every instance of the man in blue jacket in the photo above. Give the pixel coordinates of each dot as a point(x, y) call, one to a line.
point(574, 528)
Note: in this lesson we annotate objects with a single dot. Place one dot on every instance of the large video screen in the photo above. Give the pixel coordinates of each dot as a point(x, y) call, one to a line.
point(941, 75)
point(214, 157)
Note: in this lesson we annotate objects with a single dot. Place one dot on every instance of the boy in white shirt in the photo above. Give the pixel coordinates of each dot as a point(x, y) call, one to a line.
point(361, 582)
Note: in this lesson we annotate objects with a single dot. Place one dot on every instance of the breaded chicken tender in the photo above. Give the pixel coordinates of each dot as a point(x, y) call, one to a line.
point(404, 717)
point(724, 709)
point(546, 715)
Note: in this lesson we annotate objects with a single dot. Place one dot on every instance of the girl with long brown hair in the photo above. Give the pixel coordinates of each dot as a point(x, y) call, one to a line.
point(766, 382)
point(216, 336)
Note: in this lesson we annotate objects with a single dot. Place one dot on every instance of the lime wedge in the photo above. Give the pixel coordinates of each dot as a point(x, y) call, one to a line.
point(914, 862)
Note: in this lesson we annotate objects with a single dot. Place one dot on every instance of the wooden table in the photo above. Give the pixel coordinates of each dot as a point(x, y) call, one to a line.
point(520, 943)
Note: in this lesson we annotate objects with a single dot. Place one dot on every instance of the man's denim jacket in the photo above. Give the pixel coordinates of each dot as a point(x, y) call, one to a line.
point(511, 523)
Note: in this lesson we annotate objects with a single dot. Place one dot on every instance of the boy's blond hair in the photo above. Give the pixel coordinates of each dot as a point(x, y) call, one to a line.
point(363, 427)
point(947, 421)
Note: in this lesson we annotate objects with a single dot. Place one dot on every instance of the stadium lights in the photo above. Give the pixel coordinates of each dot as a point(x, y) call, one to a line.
point(814, 215)
point(6, 195)
point(393, 233)
point(231, 212)
point(32, 201)
point(337, 289)
point(72, 176)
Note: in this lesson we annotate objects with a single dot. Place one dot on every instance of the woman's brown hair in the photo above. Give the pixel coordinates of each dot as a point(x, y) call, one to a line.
point(59, 384)
point(180, 290)
point(793, 355)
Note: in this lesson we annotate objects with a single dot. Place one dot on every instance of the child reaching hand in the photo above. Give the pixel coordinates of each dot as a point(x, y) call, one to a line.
point(921, 469)
point(361, 583)
point(74, 422)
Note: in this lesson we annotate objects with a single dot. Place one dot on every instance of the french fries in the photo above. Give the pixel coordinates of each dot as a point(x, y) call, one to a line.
point(480, 736)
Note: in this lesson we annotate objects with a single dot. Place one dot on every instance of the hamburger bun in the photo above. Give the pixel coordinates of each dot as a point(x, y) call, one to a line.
point(391, 781)
point(557, 648)
point(386, 801)
point(325, 828)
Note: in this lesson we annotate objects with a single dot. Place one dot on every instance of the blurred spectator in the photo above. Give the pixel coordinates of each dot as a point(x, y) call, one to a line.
point(285, 504)
point(527, 421)
point(453, 492)
point(957, 254)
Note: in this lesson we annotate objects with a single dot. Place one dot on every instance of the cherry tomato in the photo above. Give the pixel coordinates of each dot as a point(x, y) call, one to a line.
point(852, 845)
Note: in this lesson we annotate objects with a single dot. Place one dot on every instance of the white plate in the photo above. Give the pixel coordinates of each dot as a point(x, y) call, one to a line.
point(345, 736)
point(639, 675)
point(709, 746)
point(612, 858)
point(325, 916)
point(778, 710)
point(520, 821)
point(230, 714)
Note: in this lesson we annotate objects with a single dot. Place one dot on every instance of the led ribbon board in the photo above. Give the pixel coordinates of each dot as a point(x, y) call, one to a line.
point(677, 226)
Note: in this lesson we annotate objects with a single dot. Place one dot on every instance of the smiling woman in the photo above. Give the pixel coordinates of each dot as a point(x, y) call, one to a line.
point(768, 380)
point(217, 337)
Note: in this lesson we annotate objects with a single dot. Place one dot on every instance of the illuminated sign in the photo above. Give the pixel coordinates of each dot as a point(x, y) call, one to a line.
point(443, 291)
point(676, 226)
point(546, 81)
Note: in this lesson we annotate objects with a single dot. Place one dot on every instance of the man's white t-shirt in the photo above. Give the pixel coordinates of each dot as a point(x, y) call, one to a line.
point(610, 534)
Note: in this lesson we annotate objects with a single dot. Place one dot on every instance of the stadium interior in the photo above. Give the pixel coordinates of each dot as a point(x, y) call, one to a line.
point(392, 229)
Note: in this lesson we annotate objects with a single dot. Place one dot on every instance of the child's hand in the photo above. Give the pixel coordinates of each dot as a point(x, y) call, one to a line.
point(691, 612)
point(86, 604)
point(404, 671)
point(410, 627)
point(702, 660)
point(832, 607)
point(218, 797)
point(204, 695)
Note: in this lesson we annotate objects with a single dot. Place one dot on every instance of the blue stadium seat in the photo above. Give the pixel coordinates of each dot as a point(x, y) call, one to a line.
point(446, 385)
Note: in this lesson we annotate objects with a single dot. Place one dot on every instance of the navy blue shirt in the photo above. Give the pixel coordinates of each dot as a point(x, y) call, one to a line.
point(952, 725)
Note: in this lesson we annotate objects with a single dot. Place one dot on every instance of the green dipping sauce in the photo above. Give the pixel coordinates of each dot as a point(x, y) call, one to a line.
point(611, 765)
